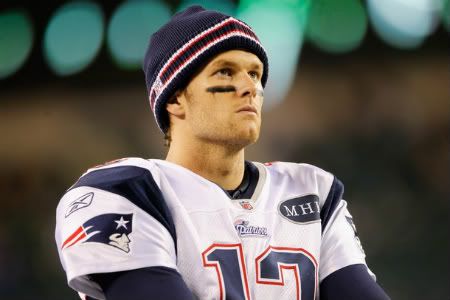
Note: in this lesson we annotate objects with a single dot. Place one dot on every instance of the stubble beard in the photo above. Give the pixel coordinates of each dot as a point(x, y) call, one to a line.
point(230, 135)
point(233, 138)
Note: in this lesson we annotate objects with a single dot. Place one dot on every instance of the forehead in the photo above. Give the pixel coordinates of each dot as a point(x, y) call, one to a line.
point(236, 57)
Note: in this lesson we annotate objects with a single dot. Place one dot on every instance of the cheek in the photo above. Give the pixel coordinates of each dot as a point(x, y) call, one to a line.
point(207, 110)
point(217, 114)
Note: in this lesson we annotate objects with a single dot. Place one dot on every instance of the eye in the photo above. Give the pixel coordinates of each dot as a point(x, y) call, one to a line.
point(254, 75)
point(225, 72)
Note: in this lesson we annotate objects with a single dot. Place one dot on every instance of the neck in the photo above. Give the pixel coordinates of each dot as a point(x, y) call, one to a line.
point(217, 163)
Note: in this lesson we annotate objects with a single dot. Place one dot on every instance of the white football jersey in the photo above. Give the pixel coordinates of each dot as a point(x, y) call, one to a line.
point(279, 242)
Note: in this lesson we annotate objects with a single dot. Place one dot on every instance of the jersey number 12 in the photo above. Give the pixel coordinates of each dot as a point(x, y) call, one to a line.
point(228, 260)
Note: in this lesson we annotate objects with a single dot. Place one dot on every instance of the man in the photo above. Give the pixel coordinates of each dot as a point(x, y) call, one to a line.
point(205, 223)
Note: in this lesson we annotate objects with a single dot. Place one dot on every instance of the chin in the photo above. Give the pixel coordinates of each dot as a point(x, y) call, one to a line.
point(247, 137)
point(236, 137)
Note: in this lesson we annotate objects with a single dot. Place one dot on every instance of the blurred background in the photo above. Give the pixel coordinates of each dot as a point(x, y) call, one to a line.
point(359, 88)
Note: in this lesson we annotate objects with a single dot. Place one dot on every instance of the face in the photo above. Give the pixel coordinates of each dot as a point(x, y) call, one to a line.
point(223, 101)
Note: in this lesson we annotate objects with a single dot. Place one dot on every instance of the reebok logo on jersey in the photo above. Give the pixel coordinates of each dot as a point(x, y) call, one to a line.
point(79, 203)
point(244, 229)
point(301, 210)
point(109, 229)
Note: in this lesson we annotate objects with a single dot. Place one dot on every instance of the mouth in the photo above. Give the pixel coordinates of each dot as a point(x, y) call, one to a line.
point(247, 109)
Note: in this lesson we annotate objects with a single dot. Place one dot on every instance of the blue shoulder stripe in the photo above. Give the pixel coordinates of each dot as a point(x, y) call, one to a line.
point(333, 199)
point(135, 184)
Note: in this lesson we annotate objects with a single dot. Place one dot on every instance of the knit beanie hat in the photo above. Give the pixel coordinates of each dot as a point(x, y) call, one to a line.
point(184, 44)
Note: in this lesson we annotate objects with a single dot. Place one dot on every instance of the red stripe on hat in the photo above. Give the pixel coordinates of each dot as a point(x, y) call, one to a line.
point(195, 40)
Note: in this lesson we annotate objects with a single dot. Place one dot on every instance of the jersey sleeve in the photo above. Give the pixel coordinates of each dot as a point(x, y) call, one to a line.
point(341, 246)
point(113, 219)
point(159, 282)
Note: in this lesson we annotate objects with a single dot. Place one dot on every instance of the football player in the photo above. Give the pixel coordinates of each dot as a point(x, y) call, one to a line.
point(205, 223)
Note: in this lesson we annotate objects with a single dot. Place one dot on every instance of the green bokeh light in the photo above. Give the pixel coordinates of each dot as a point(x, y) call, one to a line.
point(294, 5)
point(446, 15)
point(337, 26)
point(130, 29)
point(73, 37)
point(16, 40)
point(225, 6)
point(278, 25)
point(299, 8)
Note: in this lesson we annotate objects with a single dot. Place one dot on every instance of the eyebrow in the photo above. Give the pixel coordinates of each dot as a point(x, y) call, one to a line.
point(229, 63)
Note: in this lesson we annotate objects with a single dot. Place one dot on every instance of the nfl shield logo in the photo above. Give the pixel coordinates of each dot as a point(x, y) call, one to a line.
point(246, 205)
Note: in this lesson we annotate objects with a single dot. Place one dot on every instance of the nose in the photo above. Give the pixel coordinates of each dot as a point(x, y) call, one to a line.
point(246, 86)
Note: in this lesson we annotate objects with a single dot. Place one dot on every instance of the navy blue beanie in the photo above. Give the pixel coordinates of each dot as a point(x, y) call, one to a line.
point(189, 40)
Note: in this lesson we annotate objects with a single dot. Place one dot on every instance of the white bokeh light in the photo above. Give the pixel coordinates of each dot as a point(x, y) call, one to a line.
point(404, 23)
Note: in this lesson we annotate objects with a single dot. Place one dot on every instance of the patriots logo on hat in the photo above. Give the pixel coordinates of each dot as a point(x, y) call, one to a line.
point(109, 229)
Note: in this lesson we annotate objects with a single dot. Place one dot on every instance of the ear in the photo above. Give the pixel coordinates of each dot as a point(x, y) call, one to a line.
point(176, 105)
